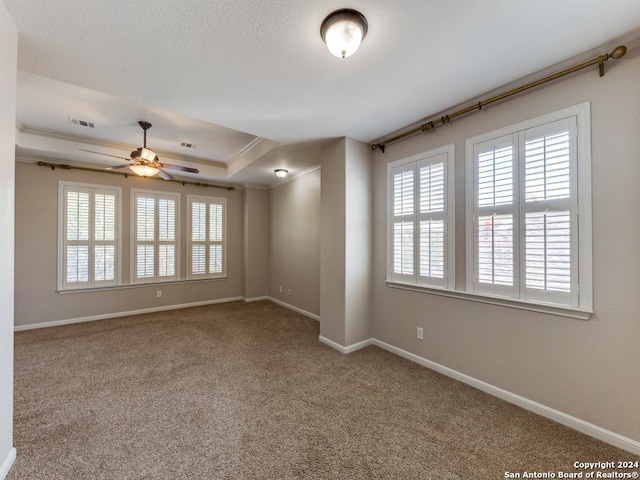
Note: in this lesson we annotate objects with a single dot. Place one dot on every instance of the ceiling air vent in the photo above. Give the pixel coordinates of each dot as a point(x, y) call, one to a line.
point(82, 123)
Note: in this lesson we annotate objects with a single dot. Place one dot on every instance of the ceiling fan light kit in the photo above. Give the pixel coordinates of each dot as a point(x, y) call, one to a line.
point(343, 31)
point(147, 155)
point(144, 157)
point(144, 170)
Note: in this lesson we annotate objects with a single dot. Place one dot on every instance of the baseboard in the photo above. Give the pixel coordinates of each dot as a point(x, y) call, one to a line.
point(295, 309)
point(6, 465)
point(350, 349)
point(555, 415)
point(106, 316)
point(255, 299)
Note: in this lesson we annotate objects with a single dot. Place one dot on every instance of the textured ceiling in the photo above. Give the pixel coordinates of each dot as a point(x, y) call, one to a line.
point(261, 69)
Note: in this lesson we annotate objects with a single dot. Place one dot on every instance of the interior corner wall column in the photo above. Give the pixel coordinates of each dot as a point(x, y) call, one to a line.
point(8, 75)
point(255, 249)
point(346, 242)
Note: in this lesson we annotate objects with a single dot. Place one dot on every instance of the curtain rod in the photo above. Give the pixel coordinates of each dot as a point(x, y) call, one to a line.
point(61, 166)
point(617, 52)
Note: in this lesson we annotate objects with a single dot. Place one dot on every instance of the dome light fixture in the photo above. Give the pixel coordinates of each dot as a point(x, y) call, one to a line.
point(342, 31)
point(144, 170)
point(281, 172)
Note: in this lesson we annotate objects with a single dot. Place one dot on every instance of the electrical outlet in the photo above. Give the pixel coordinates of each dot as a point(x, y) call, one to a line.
point(420, 333)
point(288, 291)
point(159, 294)
point(280, 288)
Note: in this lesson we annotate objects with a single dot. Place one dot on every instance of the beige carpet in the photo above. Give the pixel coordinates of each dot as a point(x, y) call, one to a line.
point(246, 391)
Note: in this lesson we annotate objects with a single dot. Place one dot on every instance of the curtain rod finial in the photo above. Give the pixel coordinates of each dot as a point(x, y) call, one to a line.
point(618, 52)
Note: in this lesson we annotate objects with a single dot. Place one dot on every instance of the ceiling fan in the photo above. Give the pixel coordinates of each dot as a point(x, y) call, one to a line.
point(145, 162)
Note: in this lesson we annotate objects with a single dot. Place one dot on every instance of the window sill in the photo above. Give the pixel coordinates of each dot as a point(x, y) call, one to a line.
point(570, 312)
point(137, 285)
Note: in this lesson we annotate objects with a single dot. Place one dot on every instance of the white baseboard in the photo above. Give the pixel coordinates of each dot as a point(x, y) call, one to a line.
point(349, 349)
point(255, 299)
point(295, 309)
point(555, 415)
point(6, 465)
point(105, 316)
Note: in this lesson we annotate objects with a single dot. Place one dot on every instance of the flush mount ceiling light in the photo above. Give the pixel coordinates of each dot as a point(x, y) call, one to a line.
point(281, 172)
point(342, 31)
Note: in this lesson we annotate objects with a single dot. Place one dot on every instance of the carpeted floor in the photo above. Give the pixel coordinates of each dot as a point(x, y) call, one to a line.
point(246, 391)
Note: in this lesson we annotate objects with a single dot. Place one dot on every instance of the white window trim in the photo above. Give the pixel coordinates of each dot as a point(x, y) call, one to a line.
point(91, 285)
point(585, 249)
point(449, 217)
point(133, 229)
point(218, 200)
point(569, 312)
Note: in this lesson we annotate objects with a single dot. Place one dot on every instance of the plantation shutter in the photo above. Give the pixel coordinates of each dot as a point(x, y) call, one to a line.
point(104, 258)
point(403, 220)
point(432, 203)
point(166, 238)
point(198, 238)
point(155, 237)
point(215, 236)
point(550, 212)
point(77, 235)
point(145, 237)
point(207, 237)
point(494, 216)
point(525, 213)
point(419, 210)
point(89, 236)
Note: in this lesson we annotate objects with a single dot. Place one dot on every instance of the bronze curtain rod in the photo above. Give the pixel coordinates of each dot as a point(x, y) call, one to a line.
point(61, 166)
point(617, 52)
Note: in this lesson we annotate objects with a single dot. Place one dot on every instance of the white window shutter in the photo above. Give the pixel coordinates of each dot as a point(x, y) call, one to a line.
point(420, 216)
point(494, 244)
point(89, 236)
point(207, 237)
point(432, 202)
point(155, 237)
point(403, 197)
point(551, 250)
point(531, 237)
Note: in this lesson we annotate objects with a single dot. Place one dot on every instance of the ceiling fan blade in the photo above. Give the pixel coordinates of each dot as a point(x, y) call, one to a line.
point(164, 175)
point(106, 154)
point(178, 167)
point(126, 165)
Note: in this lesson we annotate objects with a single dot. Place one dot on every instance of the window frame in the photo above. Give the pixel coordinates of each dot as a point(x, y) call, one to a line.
point(62, 282)
point(191, 199)
point(581, 291)
point(156, 242)
point(446, 154)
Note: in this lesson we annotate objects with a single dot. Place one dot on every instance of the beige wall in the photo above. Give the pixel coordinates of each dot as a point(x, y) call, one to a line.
point(36, 299)
point(586, 369)
point(8, 68)
point(332, 243)
point(346, 244)
point(358, 242)
point(256, 243)
point(294, 247)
